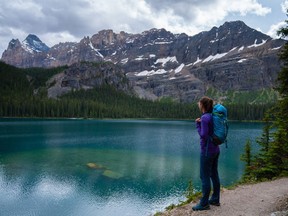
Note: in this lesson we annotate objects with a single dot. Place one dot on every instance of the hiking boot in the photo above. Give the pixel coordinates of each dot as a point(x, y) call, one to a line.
point(213, 202)
point(199, 207)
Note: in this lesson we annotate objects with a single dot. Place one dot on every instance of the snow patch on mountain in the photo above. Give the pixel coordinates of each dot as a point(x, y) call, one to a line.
point(140, 58)
point(96, 50)
point(164, 42)
point(152, 72)
point(276, 48)
point(178, 69)
point(257, 45)
point(242, 60)
point(214, 57)
point(241, 48)
point(164, 61)
point(124, 61)
point(197, 61)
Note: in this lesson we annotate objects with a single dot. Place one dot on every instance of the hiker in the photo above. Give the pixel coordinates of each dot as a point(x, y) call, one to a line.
point(208, 157)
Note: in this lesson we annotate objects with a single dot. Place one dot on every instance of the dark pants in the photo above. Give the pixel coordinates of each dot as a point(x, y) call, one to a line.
point(209, 169)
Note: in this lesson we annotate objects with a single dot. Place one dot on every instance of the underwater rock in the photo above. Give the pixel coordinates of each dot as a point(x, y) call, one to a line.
point(112, 174)
point(95, 166)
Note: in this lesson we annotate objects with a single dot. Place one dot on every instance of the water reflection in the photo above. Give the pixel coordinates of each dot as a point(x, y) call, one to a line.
point(142, 166)
point(57, 177)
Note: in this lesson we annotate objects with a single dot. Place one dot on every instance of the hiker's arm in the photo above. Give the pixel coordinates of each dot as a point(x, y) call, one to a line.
point(198, 125)
point(203, 129)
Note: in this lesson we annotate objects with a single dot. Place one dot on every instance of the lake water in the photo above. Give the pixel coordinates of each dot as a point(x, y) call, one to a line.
point(106, 167)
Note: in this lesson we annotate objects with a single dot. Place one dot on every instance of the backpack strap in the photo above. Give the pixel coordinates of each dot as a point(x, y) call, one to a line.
point(226, 131)
point(209, 137)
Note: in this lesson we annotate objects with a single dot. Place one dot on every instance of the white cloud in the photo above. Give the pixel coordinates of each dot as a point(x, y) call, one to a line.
point(54, 21)
point(198, 16)
point(284, 6)
point(51, 39)
point(274, 28)
point(245, 7)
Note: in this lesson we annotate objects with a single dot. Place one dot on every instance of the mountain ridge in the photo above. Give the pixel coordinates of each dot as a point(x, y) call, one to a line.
point(162, 64)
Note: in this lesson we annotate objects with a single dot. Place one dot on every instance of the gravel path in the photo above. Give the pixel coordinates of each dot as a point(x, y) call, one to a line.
point(266, 198)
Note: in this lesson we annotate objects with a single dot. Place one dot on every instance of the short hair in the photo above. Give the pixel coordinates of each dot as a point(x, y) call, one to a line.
point(207, 104)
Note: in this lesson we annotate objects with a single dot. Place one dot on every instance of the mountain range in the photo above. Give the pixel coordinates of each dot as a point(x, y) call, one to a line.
point(158, 63)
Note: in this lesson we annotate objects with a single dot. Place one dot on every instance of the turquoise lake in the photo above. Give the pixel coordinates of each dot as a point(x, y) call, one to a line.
point(82, 167)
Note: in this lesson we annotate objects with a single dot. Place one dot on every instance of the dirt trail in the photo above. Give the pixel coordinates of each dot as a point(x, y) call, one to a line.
point(266, 198)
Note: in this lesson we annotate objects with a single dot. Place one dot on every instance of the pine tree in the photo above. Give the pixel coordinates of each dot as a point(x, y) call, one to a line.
point(272, 160)
point(279, 146)
point(262, 167)
point(247, 158)
point(281, 123)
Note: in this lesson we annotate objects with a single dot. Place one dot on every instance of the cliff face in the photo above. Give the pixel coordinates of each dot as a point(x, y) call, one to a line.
point(87, 75)
point(161, 64)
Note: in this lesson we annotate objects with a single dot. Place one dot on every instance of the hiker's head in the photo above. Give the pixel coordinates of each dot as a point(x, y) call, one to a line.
point(205, 104)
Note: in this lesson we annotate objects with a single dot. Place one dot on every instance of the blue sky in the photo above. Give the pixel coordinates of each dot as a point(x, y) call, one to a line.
point(55, 21)
point(266, 22)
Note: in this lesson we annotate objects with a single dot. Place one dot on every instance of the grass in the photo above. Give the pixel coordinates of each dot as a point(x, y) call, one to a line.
point(191, 195)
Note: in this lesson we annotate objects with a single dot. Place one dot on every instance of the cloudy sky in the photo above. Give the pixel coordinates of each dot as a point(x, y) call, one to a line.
point(55, 21)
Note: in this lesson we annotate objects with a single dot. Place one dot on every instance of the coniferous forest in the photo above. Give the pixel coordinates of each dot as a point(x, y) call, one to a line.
point(23, 93)
point(272, 159)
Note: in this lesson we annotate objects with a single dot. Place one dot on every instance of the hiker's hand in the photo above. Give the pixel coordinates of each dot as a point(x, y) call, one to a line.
point(198, 120)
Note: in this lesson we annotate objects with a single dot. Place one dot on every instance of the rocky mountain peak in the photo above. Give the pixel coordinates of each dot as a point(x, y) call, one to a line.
point(14, 43)
point(234, 24)
point(158, 35)
point(244, 34)
point(106, 38)
point(33, 44)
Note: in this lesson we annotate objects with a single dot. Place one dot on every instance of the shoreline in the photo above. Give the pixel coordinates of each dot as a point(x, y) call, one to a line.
point(262, 198)
point(152, 119)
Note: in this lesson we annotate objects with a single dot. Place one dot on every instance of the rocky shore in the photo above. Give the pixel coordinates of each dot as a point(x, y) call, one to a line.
point(261, 199)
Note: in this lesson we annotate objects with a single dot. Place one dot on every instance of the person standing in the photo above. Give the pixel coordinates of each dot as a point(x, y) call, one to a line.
point(208, 157)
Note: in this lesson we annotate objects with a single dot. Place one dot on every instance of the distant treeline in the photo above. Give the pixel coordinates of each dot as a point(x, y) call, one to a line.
point(108, 103)
point(17, 99)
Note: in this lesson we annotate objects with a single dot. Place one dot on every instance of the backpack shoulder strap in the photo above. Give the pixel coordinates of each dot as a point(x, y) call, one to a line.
point(209, 138)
